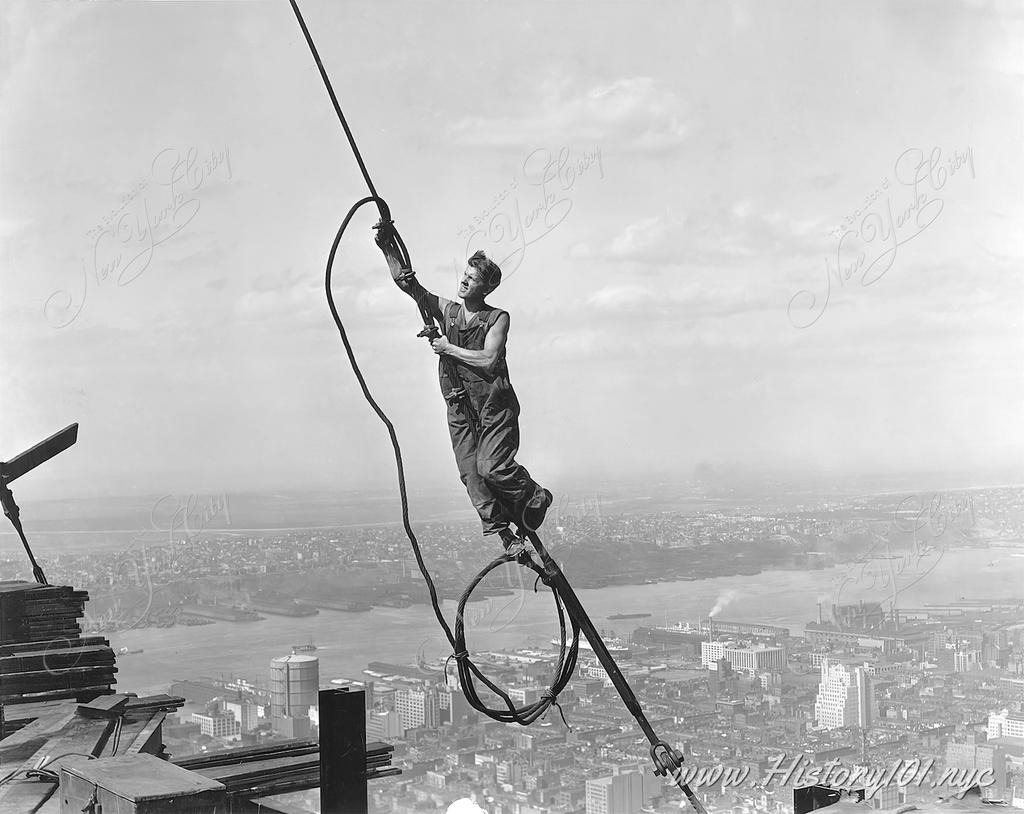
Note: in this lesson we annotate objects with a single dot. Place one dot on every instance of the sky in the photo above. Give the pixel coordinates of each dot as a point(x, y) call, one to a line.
point(783, 236)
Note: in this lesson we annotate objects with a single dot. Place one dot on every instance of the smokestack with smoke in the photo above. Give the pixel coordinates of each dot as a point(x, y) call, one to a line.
point(724, 599)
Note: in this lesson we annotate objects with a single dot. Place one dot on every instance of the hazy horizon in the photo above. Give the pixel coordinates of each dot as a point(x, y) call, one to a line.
point(728, 478)
point(779, 238)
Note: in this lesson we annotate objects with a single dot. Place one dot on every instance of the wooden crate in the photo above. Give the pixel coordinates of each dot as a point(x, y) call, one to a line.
point(138, 784)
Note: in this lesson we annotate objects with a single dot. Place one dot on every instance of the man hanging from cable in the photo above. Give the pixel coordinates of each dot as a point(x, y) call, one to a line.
point(483, 411)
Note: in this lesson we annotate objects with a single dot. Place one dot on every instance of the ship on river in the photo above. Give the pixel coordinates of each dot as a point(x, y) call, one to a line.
point(616, 647)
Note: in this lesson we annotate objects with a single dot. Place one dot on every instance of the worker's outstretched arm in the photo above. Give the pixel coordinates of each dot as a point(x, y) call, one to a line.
point(405, 278)
point(486, 359)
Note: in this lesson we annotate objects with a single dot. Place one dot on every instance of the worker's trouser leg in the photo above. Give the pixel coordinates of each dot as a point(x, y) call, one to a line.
point(488, 468)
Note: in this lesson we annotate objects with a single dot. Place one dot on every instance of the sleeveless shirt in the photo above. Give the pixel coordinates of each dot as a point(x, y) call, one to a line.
point(489, 393)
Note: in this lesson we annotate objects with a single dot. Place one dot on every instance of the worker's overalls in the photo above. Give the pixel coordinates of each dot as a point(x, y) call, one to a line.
point(486, 463)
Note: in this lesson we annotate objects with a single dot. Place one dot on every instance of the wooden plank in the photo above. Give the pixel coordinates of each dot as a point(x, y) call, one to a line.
point(35, 589)
point(131, 730)
point(242, 772)
point(283, 786)
point(64, 674)
point(276, 768)
point(40, 681)
point(26, 741)
point(35, 626)
point(280, 781)
point(24, 713)
point(56, 644)
point(62, 659)
point(235, 756)
point(155, 703)
point(78, 693)
point(22, 796)
point(41, 635)
point(15, 585)
point(12, 617)
point(79, 735)
point(51, 806)
point(59, 647)
point(149, 738)
point(58, 603)
point(143, 777)
point(106, 706)
point(280, 748)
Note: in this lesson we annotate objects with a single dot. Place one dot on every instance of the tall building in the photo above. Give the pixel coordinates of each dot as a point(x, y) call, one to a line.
point(617, 794)
point(245, 712)
point(845, 696)
point(383, 696)
point(383, 725)
point(937, 643)
point(417, 707)
point(217, 723)
point(294, 684)
point(1005, 724)
point(652, 784)
point(965, 660)
point(710, 653)
point(755, 659)
point(454, 708)
point(509, 771)
point(521, 696)
point(750, 660)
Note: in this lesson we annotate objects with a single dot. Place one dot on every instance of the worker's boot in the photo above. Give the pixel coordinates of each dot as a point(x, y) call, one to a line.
point(508, 538)
point(536, 508)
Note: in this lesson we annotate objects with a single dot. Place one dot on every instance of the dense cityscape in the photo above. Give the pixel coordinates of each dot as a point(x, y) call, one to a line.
point(908, 702)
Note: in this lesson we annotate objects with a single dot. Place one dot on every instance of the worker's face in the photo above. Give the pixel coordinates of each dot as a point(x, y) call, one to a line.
point(472, 285)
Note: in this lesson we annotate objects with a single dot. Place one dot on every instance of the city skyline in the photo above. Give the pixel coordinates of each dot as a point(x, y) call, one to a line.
point(908, 686)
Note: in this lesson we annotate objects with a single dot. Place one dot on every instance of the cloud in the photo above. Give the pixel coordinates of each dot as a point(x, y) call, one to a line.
point(616, 296)
point(712, 235)
point(283, 297)
point(9, 227)
point(384, 301)
point(637, 114)
point(671, 304)
point(638, 237)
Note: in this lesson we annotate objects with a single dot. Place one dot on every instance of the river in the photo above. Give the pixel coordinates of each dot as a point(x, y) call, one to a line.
point(346, 642)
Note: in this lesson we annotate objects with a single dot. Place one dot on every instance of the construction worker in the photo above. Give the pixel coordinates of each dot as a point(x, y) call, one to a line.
point(484, 421)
